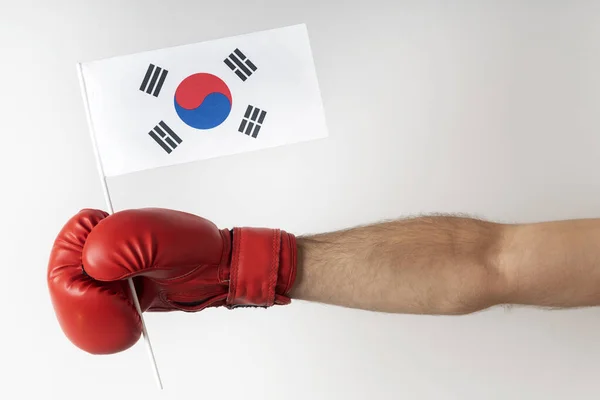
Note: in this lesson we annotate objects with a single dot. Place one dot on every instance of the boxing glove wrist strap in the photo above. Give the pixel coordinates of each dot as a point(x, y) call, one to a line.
point(254, 267)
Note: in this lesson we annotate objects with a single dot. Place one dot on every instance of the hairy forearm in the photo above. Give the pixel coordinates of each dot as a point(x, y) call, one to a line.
point(451, 265)
point(430, 265)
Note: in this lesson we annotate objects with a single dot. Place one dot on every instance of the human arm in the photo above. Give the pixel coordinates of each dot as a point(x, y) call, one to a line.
point(451, 265)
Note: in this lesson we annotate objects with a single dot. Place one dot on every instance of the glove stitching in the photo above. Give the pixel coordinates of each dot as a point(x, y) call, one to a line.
point(238, 254)
point(292, 272)
point(223, 261)
point(235, 267)
point(273, 270)
point(159, 280)
point(193, 295)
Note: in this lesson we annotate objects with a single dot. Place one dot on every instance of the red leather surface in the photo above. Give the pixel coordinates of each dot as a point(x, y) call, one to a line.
point(287, 268)
point(97, 317)
point(254, 266)
point(178, 261)
point(156, 243)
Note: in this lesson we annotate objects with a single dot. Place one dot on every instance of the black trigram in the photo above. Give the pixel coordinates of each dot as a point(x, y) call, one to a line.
point(252, 121)
point(239, 64)
point(165, 137)
point(153, 80)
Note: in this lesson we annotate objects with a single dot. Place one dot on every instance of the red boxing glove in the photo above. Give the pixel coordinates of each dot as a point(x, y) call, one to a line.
point(178, 261)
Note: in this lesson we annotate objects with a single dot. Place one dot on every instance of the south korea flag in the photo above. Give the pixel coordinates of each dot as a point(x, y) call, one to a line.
point(203, 100)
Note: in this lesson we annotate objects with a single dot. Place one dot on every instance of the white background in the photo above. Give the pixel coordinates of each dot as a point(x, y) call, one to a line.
point(488, 108)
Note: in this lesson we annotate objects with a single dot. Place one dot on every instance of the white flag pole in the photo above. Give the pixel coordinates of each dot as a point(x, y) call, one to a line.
point(111, 211)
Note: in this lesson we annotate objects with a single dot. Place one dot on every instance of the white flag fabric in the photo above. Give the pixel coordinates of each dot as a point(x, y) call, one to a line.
point(203, 100)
